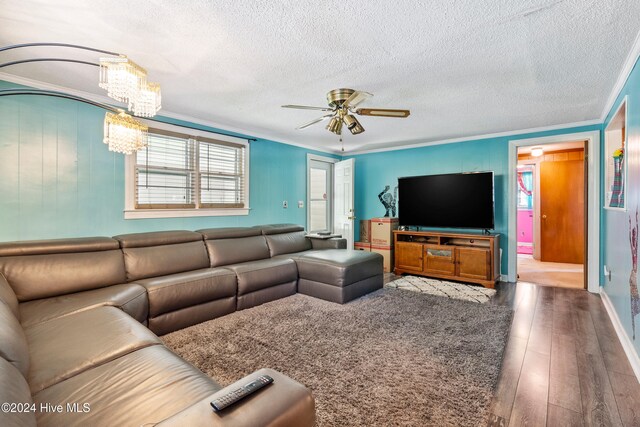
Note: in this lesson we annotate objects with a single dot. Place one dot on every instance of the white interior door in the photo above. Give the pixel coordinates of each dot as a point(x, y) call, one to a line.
point(319, 195)
point(343, 210)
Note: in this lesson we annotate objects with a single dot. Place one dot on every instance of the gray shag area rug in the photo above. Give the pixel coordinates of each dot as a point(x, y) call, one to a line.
point(443, 288)
point(390, 358)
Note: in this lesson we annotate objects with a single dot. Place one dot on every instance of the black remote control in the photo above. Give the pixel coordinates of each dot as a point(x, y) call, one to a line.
point(240, 393)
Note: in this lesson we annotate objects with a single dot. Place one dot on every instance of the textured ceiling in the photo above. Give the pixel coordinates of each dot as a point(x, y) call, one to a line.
point(463, 68)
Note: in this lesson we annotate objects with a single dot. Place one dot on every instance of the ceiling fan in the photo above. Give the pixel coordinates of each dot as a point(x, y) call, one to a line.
point(342, 107)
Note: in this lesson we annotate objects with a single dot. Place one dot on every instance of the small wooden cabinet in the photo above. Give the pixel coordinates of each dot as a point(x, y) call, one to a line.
point(465, 257)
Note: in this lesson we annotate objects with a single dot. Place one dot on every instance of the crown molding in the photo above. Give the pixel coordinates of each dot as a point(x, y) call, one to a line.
point(242, 133)
point(629, 63)
point(413, 144)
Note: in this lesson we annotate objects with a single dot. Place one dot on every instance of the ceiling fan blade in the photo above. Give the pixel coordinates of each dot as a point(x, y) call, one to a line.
point(306, 107)
point(313, 122)
point(356, 98)
point(382, 112)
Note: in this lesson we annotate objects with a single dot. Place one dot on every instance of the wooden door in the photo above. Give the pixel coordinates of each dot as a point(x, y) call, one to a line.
point(409, 256)
point(474, 263)
point(562, 211)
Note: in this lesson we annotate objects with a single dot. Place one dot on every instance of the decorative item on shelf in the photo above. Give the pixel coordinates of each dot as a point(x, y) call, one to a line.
point(124, 134)
point(617, 188)
point(388, 200)
point(124, 81)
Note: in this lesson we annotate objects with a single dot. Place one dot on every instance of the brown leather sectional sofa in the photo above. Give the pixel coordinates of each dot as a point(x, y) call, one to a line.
point(79, 318)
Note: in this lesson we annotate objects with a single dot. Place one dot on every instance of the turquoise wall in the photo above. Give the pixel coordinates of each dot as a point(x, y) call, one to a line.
point(616, 226)
point(57, 178)
point(375, 170)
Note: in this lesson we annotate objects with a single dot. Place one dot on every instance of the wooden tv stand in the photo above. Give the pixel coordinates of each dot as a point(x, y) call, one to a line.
point(465, 257)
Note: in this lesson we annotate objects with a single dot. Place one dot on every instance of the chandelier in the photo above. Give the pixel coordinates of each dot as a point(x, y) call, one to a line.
point(124, 81)
point(124, 134)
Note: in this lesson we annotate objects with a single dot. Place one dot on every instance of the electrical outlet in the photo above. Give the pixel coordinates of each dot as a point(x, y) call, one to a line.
point(285, 204)
point(300, 204)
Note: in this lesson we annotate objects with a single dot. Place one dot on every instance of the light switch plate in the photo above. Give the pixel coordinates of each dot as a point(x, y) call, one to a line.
point(300, 204)
point(285, 204)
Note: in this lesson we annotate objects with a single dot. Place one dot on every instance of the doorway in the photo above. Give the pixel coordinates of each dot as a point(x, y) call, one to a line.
point(319, 195)
point(551, 214)
point(330, 196)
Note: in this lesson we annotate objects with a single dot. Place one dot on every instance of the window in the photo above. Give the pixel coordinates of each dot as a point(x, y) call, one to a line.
point(187, 175)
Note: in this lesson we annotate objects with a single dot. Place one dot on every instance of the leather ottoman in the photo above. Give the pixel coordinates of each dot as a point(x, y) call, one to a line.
point(339, 276)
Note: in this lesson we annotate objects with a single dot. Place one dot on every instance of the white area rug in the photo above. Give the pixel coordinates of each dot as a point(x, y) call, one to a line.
point(442, 288)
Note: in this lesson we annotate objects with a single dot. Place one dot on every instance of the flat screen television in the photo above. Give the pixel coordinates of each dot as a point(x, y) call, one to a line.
point(458, 200)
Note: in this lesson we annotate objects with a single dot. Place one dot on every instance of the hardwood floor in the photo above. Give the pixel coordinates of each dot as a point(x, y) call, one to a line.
point(563, 364)
point(554, 274)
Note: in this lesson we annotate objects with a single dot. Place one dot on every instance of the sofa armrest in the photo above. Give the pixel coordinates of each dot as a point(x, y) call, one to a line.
point(332, 243)
point(283, 403)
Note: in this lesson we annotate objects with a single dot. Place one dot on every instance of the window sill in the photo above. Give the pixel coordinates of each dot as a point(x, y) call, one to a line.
point(182, 213)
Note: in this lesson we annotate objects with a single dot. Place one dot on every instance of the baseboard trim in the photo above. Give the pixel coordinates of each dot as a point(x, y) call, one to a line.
point(626, 342)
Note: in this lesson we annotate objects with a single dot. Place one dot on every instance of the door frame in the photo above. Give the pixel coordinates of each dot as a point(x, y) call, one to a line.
point(323, 159)
point(592, 205)
point(535, 167)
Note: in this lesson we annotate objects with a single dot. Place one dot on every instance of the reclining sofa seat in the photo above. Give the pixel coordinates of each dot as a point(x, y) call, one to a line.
point(174, 268)
point(14, 359)
point(245, 252)
point(102, 356)
point(39, 274)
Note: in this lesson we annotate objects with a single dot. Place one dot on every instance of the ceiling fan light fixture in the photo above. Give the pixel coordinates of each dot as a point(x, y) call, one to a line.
point(353, 124)
point(335, 126)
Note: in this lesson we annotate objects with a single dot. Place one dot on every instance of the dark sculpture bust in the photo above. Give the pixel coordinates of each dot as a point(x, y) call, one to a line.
point(388, 200)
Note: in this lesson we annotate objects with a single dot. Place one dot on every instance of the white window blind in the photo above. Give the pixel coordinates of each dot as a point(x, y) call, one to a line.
point(221, 169)
point(178, 171)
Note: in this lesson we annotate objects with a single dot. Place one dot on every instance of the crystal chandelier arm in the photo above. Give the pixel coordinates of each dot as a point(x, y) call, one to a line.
point(40, 92)
point(74, 46)
point(23, 61)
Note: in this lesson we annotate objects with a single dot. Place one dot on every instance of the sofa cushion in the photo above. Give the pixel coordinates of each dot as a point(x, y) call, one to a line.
point(280, 228)
point(157, 238)
point(142, 387)
point(13, 343)
point(229, 232)
point(8, 297)
point(189, 316)
point(41, 269)
point(176, 291)
point(129, 297)
point(69, 345)
point(14, 389)
point(285, 243)
point(223, 252)
point(256, 275)
point(161, 253)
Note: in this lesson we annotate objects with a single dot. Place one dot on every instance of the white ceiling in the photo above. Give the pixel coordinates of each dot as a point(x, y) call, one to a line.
point(463, 68)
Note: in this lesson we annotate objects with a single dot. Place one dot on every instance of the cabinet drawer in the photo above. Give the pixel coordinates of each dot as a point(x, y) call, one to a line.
point(440, 259)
